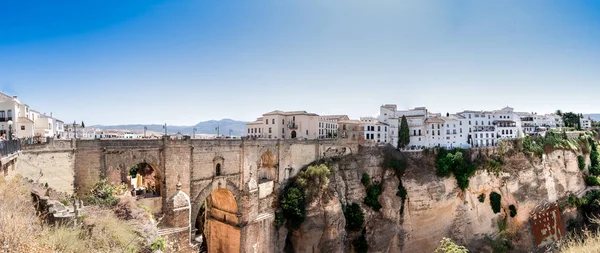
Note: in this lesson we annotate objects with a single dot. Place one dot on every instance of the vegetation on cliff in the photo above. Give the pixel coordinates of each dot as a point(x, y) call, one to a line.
point(354, 217)
point(292, 204)
point(448, 246)
point(455, 162)
point(301, 190)
point(360, 244)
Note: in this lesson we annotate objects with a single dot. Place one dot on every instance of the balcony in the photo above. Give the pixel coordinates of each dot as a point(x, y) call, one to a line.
point(3, 119)
point(292, 125)
point(483, 129)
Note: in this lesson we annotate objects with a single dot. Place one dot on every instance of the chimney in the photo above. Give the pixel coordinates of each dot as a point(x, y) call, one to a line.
point(50, 114)
point(15, 97)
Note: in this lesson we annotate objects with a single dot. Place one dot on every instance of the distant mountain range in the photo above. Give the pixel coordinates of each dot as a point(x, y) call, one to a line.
point(206, 127)
point(593, 116)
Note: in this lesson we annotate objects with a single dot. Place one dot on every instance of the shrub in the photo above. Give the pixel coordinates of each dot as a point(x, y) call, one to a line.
point(312, 180)
point(456, 162)
point(366, 180)
point(360, 244)
point(354, 217)
point(575, 201)
point(292, 204)
point(481, 198)
point(581, 162)
point(279, 219)
point(592, 181)
point(371, 200)
point(495, 201)
point(103, 194)
point(133, 171)
point(513, 210)
point(447, 246)
point(158, 244)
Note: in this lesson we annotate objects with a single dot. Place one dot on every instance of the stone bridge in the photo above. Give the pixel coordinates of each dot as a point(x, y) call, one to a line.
point(230, 185)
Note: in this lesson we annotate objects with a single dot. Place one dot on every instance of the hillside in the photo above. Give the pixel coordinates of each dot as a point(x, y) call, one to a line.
point(205, 127)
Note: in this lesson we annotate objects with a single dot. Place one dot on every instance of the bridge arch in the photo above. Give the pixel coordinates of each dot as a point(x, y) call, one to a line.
point(216, 217)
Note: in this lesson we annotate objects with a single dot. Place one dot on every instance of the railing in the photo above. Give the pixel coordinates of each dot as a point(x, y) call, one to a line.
point(9, 147)
point(292, 126)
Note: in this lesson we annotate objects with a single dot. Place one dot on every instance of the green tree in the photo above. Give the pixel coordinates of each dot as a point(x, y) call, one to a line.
point(366, 180)
point(292, 204)
point(559, 112)
point(447, 246)
point(82, 124)
point(354, 217)
point(571, 119)
point(403, 133)
point(581, 162)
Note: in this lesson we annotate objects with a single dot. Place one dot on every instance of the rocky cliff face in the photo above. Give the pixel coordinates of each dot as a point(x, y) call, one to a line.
point(435, 207)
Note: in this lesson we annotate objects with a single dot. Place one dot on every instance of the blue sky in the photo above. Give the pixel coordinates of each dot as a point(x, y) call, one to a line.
point(181, 62)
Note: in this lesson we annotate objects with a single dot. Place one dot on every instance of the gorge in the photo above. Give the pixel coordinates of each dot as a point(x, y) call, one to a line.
point(244, 180)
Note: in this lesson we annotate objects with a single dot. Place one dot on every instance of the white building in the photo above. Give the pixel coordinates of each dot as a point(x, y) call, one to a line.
point(9, 111)
point(534, 124)
point(389, 115)
point(585, 123)
point(374, 131)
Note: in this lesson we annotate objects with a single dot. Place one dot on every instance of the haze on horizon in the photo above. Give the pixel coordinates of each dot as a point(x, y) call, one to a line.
point(182, 62)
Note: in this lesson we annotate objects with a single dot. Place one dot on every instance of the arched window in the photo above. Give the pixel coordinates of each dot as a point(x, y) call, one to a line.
point(218, 170)
point(9, 114)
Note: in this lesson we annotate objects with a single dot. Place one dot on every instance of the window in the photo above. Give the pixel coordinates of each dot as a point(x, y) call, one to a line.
point(248, 130)
point(492, 135)
point(282, 130)
point(273, 121)
point(419, 132)
point(269, 130)
point(282, 121)
point(218, 170)
point(9, 114)
point(469, 122)
point(344, 127)
point(307, 132)
point(439, 132)
point(460, 123)
point(476, 123)
point(378, 128)
point(487, 135)
point(414, 132)
point(267, 121)
point(447, 131)
point(22, 127)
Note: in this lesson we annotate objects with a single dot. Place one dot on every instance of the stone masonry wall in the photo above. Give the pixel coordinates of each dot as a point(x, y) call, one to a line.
point(54, 168)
